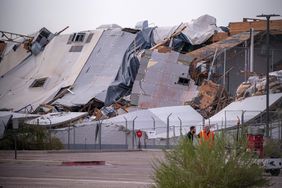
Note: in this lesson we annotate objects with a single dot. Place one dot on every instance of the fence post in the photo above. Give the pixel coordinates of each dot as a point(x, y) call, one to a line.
point(270, 129)
point(69, 136)
point(133, 132)
point(167, 131)
point(242, 122)
point(173, 130)
point(74, 136)
point(280, 130)
point(125, 134)
point(154, 128)
point(180, 126)
point(100, 135)
point(49, 131)
point(225, 120)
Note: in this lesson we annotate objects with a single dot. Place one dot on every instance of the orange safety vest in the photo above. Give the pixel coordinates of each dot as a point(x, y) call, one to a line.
point(206, 136)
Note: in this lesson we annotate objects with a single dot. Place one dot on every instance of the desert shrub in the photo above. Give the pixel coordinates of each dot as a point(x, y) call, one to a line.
point(219, 165)
point(30, 138)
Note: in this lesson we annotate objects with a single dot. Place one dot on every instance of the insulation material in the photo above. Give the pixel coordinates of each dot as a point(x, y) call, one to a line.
point(197, 31)
point(256, 85)
point(122, 85)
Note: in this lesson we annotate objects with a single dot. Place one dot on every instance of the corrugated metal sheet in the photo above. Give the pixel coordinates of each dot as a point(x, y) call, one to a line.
point(101, 68)
point(208, 51)
point(56, 119)
point(159, 82)
point(12, 58)
point(145, 120)
point(60, 66)
point(252, 106)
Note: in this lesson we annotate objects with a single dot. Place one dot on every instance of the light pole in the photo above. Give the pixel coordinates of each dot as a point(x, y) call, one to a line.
point(267, 16)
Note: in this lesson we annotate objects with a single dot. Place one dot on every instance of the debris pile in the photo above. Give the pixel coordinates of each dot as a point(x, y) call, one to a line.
point(255, 85)
point(212, 98)
point(112, 70)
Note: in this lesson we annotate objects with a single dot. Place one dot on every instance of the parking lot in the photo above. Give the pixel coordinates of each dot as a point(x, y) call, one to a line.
point(45, 169)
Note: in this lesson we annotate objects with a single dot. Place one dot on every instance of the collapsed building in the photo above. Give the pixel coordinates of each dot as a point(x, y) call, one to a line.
point(113, 74)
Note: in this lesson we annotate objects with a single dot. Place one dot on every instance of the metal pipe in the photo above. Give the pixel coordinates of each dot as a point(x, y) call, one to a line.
point(167, 131)
point(180, 126)
point(267, 69)
point(246, 60)
point(133, 132)
point(15, 137)
point(252, 50)
point(214, 57)
point(125, 134)
point(242, 122)
point(280, 130)
point(69, 136)
point(49, 131)
point(225, 119)
point(74, 136)
point(272, 60)
point(154, 128)
point(3, 33)
point(224, 67)
point(100, 135)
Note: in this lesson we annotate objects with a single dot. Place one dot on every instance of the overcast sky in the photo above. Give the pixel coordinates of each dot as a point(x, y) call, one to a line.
point(27, 16)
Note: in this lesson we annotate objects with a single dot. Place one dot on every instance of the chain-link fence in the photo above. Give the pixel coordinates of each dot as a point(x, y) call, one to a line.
point(239, 122)
point(156, 133)
point(122, 135)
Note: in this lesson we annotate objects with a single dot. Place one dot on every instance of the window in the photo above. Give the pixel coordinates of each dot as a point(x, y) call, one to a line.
point(78, 37)
point(76, 49)
point(38, 82)
point(183, 81)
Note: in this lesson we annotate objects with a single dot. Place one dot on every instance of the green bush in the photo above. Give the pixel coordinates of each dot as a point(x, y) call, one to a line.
point(206, 166)
point(30, 138)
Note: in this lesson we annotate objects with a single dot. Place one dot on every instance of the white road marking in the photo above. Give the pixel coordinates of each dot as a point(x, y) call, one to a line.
point(77, 180)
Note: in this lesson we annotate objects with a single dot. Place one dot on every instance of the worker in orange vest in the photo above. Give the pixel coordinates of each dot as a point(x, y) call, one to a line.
point(206, 134)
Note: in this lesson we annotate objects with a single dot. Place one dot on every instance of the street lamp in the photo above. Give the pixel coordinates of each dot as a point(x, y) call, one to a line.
point(267, 16)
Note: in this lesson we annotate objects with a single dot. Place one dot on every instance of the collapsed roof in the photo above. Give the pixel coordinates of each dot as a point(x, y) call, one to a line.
point(136, 68)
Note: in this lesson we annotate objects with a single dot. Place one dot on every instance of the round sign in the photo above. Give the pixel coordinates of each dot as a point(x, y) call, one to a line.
point(139, 133)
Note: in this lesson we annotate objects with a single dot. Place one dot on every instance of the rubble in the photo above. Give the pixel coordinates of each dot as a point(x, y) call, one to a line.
point(112, 71)
point(255, 85)
point(211, 99)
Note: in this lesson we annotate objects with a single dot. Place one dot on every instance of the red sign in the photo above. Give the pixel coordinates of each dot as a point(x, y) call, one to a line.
point(139, 133)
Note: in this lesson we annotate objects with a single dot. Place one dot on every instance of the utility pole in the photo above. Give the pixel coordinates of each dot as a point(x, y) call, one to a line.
point(267, 16)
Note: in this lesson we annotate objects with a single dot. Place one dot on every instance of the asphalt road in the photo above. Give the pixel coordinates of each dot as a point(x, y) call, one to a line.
point(44, 169)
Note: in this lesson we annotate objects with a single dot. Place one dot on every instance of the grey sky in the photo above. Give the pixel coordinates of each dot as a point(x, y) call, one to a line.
point(27, 16)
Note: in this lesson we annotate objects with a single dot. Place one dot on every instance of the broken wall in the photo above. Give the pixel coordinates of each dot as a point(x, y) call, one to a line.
point(238, 58)
point(162, 81)
point(38, 79)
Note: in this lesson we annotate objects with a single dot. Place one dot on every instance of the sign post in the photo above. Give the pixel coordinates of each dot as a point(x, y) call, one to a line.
point(139, 135)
